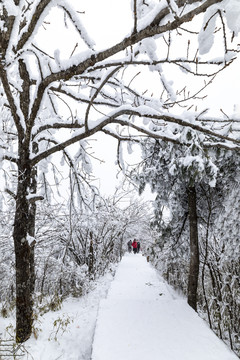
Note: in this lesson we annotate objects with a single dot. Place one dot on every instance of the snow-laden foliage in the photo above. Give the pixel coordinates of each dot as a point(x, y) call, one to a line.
point(232, 15)
point(73, 248)
point(218, 228)
point(220, 288)
point(7, 271)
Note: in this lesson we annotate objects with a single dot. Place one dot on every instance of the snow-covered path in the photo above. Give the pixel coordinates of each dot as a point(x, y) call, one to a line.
point(143, 319)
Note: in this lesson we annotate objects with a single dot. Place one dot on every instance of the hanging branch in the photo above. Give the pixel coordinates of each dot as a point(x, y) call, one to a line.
point(224, 32)
point(135, 16)
point(96, 94)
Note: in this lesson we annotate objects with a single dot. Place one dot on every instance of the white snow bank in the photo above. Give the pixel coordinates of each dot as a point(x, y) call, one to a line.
point(71, 337)
point(143, 319)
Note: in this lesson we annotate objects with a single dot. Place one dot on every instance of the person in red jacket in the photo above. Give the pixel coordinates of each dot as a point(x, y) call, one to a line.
point(134, 245)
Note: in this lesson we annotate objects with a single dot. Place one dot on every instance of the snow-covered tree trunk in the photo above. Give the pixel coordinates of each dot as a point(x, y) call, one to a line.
point(194, 249)
point(31, 226)
point(24, 278)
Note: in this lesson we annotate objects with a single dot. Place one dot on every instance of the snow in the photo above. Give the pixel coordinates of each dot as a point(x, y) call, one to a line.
point(232, 8)
point(206, 36)
point(71, 337)
point(11, 7)
point(78, 24)
point(139, 317)
point(150, 15)
point(232, 14)
point(143, 318)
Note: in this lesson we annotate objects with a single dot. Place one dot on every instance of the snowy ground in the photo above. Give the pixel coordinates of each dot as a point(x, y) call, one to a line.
point(139, 318)
point(71, 337)
point(143, 319)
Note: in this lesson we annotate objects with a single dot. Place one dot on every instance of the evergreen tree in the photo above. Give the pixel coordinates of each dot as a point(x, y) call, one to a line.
point(172, 172)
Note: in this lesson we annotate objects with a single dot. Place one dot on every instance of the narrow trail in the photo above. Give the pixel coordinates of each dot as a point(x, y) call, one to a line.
point(143, 319)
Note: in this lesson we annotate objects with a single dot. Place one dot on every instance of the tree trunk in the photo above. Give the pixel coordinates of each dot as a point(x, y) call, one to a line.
point(23, 255)
point(194, 250)
point(91, 257)
point(31, 227)
point(204, 266)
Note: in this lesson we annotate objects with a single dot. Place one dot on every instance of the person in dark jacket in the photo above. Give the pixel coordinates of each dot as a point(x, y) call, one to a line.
point(134, 245)
point(138, 247)
point(129, 244)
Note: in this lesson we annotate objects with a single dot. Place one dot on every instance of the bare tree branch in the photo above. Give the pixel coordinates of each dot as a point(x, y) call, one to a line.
point(97, 92)
point(94, 58)
point(131, 112)
point(42, 5)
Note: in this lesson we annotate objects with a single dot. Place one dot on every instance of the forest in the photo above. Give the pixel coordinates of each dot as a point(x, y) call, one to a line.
point(70, 79)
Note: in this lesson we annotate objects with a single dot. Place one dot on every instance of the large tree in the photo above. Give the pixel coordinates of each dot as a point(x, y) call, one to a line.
point(210, 239)
point(37, 80)
point(174, 173)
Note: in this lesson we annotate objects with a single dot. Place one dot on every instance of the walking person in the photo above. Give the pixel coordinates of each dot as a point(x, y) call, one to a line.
point(129, 245)
point(134, 245)
point(138, 246)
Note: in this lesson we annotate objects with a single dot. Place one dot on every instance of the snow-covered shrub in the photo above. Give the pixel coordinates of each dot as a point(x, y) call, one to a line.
point(73, 248)
point(219, 277)
point(219, 292)
point(7, 269)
